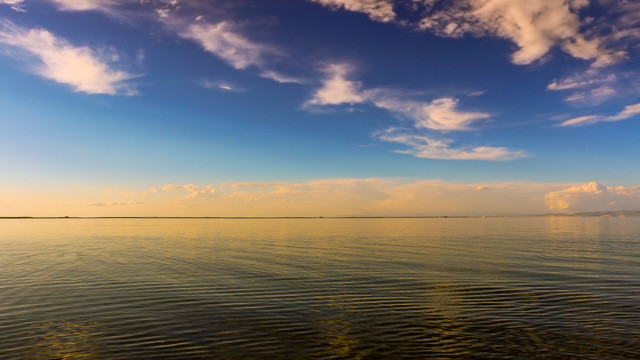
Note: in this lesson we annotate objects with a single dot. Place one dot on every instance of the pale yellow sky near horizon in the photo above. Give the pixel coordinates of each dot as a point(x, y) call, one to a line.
point(323, 197)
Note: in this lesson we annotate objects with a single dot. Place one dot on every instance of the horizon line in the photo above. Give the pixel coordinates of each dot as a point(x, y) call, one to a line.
point(584, 214)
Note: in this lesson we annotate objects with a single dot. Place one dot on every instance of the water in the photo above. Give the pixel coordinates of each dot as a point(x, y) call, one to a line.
point(320, 288)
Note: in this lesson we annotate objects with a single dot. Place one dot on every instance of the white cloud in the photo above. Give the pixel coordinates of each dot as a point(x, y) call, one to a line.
point(594, 196)
point(591, 97)
point(586, 79)
point(222, 40)
point(13, 4)
point(84, 69)
point(581, 120)
point(379, 10)
point(220, 85)
point(336, 88)
point(281, 78)
point(590, 88)
point(624, 20)
point(628, 112)
point(423, 146)
point(84, 5)
point(534, 26)
point(440, 114)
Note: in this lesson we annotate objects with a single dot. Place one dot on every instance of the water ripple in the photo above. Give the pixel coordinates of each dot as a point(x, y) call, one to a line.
point(320, 289)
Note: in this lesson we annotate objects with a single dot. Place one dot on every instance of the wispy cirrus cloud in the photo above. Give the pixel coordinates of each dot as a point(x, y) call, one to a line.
point(581, 120)
point(84, 5)
point(14, 4)
point(591, 87)
point(586, 79)
point(379, 10)
point(440, 114)
point(222, 40)
point(92, 71)
point(628, 112)
point(221, 85)
point(281, 78)
point(424, 146)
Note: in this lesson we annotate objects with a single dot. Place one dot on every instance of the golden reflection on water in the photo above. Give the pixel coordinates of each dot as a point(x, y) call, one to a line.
point(64, 340)
point(326, 288)
point(337, 336)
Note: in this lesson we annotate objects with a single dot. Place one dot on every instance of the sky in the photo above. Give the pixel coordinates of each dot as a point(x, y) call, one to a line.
point(318, 107)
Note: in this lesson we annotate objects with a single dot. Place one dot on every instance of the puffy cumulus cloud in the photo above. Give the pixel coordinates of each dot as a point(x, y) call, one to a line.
point(379, 10)
point(594, 196)
point(629, 111)
point(423, 146)
point(441, 115)
point(336, 88)
point(534, 26)
point(84, 69)
point(13, 4)
point(223, 40)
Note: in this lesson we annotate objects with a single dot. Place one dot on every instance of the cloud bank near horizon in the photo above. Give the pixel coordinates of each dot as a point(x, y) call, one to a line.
point(345, 197)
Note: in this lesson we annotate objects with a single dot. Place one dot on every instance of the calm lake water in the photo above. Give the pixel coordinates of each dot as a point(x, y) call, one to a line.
point(320, 288)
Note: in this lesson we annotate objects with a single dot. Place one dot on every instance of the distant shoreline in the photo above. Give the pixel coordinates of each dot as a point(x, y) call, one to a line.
point(624, 213)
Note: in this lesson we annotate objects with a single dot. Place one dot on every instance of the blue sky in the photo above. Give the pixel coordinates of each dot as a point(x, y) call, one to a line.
point(222, 108)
